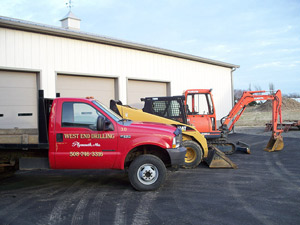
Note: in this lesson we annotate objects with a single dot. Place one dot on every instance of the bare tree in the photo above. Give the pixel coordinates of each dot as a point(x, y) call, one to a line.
point(249, 89)
point(237, 94)
point(257, 88)
point(272, 89)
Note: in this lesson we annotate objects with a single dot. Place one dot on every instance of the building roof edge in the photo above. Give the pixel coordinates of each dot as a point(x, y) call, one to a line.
point(18, 24)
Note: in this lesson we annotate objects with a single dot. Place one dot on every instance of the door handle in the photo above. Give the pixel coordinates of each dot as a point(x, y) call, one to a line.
point(59, 137)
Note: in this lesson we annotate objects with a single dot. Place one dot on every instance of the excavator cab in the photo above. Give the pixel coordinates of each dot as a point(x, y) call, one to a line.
point(200, 111)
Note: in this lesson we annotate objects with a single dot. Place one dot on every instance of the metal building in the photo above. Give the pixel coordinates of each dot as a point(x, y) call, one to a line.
point(78, 64)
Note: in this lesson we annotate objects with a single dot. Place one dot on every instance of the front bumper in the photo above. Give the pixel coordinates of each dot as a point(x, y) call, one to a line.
point(177, 156)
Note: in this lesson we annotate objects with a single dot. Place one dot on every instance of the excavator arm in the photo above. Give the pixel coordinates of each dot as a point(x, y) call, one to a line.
point(276, 141)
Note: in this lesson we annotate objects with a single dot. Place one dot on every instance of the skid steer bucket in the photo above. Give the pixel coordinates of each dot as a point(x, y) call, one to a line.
point(243, 147)
point(275, 144)
point(217, 159)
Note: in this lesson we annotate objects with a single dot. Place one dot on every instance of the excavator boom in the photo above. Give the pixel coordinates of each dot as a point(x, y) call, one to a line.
point(246, 99)
point(276, 140)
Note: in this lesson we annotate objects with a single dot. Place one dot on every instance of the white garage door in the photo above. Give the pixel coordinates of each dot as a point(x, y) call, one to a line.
point(139, 89)
point(102, 89)
point(18, 100)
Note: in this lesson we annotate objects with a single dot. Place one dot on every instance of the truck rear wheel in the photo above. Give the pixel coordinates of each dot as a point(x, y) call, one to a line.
point(147, 173)
point(8, 171)
point(193, 154)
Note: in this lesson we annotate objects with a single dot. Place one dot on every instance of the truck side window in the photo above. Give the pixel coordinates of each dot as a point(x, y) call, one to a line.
point(75, 114)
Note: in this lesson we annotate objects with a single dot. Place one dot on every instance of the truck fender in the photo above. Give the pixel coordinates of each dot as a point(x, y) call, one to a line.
point(133, 144)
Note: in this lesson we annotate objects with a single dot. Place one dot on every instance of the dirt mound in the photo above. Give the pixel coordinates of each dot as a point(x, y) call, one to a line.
point(287, 104)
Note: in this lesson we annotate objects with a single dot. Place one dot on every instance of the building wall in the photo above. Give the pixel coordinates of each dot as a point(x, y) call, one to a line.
point(52, 55)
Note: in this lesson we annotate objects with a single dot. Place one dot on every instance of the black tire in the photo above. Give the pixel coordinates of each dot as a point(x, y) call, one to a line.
point(193, 155)
point(7, 171)
point(147, 173)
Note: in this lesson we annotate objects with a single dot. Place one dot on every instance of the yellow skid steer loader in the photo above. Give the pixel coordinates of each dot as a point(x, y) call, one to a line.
point(196, 144)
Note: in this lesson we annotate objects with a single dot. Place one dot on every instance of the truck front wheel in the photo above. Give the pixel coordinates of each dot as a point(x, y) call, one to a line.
point(193, 154)
point(147, 173)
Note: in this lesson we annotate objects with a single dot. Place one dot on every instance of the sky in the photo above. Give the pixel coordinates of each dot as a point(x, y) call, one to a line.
point(261, 36)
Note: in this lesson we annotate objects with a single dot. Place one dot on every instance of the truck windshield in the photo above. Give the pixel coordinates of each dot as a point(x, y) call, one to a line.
point(111, 113)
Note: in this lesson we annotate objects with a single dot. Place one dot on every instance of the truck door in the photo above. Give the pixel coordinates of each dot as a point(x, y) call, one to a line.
point(78, 143)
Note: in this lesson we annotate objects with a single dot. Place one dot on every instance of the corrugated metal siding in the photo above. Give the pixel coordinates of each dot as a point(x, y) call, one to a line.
point(52, 55)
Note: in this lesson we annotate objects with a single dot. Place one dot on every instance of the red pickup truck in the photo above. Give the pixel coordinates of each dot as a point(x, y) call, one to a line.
point(85, 134)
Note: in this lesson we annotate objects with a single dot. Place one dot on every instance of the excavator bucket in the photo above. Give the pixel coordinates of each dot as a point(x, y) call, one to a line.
point(217, 159)
point(275, 144)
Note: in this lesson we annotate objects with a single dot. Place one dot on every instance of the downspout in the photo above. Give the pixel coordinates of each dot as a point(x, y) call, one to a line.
point(232, 90)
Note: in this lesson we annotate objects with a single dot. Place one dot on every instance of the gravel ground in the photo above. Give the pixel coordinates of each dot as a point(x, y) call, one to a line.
point(265, 189)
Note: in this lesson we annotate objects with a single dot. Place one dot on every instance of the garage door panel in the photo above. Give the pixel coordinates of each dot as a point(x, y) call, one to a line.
point(140, 89)
point(102, 89)
point(17, 79)
point(18, 95)
point(21, 117)
point(11, 97)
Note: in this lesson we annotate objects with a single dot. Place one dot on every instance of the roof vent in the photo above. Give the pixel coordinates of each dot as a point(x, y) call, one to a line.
point(70, 21)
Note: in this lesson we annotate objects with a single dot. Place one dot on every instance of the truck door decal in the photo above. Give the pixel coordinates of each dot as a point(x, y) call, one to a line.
point(89, 136)
point(78, 144)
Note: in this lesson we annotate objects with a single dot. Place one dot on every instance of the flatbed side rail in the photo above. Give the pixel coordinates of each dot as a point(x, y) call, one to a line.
point(44, 107)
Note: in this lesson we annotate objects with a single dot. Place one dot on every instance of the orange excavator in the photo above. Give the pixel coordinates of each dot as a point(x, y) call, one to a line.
point(197, 108)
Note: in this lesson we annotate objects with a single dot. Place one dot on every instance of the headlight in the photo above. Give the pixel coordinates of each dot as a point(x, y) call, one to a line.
point(182, 128)
point(177, 141)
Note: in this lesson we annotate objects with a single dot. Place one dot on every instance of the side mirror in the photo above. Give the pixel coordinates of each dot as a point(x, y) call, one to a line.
point(109, 126)
point(104, 125)
point(100, 123)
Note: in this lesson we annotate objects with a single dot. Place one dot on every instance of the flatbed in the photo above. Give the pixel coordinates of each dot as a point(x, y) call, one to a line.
point(285, 125)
